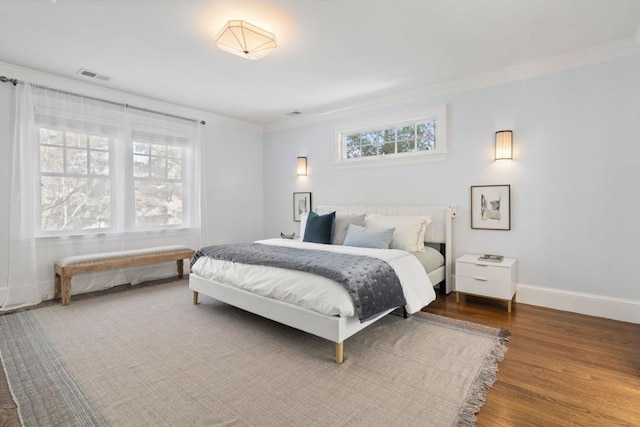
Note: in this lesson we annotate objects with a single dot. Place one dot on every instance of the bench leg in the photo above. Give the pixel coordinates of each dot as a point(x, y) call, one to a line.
point(57, 289)
point(180, 263)
point(195, 297)
point(66, 290)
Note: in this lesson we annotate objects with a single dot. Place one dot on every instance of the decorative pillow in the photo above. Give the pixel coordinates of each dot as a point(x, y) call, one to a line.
point(410, 230)
point(341, 224)
point(377, 238)
point(319, 228)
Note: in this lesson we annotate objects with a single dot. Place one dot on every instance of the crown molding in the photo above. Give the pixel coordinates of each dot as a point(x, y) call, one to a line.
point(529, 70)
point(89, 89)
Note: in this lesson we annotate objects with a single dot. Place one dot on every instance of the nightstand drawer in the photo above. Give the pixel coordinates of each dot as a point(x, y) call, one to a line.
point(483, 271)
point(490, 288)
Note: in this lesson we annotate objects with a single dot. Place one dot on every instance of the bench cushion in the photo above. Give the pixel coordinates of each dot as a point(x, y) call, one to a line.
point(82, 259)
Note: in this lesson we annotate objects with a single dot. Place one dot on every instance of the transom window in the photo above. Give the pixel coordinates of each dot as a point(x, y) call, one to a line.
point(405, 139)
point(411, 136)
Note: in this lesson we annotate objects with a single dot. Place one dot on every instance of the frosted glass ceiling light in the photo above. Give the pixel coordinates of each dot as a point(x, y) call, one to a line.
point(246, 40)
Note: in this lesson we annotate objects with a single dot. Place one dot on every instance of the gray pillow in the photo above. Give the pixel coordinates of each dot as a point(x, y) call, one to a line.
point(377, 238)
point(341, 224)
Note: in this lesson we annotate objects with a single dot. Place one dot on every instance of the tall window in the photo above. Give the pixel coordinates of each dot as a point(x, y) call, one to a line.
point(75, 187)
point(403, 137)
point(157, 174)
point(107, 168)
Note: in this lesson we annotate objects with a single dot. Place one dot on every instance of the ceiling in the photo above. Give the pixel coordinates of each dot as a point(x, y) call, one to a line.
point(330, 53)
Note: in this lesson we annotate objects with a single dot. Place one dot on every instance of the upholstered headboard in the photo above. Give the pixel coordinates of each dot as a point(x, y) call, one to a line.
point(439, 231)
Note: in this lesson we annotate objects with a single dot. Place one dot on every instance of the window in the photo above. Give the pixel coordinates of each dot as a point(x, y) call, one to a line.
point(400, 139)
point(107, 168)
point(157, 174)
point(75, 187)
point(405, 137)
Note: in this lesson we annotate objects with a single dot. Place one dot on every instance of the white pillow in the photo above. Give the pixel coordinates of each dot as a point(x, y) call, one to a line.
point(303, 224)
point(409, 230)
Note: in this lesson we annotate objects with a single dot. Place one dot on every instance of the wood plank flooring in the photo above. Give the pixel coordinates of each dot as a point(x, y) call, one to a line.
point(562, 369)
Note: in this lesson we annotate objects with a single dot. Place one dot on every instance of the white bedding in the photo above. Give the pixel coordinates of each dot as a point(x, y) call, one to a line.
point(314, 292)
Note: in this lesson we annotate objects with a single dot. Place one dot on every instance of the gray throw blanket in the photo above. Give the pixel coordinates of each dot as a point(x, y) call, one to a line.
point(371, 282)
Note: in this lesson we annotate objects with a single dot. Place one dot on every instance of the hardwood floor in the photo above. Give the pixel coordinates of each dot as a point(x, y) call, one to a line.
point(562, 369)
point(8, 411)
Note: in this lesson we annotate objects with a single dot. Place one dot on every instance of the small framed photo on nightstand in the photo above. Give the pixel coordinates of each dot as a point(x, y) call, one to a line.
point(301, 205)
point(491, 207)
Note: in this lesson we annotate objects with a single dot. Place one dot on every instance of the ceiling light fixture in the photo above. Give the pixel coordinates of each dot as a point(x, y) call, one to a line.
point(246, 40)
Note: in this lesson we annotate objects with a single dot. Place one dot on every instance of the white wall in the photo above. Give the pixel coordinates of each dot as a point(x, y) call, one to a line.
point(231, 189)
point(574, 180)
point(232, 180)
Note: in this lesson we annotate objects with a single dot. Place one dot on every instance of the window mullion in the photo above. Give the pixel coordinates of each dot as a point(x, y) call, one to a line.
point(64, 152)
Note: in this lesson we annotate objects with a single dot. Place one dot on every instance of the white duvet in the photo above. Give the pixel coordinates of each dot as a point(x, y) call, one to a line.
point(314, 292)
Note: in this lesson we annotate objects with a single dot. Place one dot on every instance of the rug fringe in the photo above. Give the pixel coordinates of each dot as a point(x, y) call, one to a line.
point(486, 378)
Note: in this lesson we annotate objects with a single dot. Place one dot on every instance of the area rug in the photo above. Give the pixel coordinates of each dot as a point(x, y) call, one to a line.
point(149, 357)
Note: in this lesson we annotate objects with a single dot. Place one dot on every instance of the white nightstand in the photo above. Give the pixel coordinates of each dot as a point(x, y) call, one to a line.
point(486, 279)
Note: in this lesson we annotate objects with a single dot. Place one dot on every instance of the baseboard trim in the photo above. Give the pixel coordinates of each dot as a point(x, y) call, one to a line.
point(624, 310)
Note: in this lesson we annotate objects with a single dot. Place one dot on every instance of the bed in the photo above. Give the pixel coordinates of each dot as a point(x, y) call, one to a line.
point(331, 326)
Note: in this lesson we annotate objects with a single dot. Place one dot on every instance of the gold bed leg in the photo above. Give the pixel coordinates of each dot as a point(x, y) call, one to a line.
point(339, 352)
point(195, 297)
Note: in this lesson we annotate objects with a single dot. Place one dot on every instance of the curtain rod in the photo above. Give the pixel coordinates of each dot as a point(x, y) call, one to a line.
point(14, 82)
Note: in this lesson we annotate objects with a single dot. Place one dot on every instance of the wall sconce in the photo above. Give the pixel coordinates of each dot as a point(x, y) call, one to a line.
point(504, 145)
point(302, 166)
point(246, 40)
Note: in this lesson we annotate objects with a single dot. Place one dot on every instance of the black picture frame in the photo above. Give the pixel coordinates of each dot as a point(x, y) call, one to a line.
point(301, 205)
point(491, 207)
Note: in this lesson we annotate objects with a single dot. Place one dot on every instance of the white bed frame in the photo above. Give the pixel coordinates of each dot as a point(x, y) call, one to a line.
point(332, 328)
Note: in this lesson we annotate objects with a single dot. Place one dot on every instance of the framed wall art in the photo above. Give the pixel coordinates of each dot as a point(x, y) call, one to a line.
point(301, 205)
point(491, 207)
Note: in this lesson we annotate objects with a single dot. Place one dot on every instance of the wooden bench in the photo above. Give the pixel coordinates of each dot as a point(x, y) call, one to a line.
point(67, 267)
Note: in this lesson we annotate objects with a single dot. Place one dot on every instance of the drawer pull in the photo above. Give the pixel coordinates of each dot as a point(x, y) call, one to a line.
point(482, 265)
point(481, 279)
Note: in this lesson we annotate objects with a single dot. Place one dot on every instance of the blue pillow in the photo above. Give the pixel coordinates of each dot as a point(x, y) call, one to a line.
point(363, 237)
point(319, 228)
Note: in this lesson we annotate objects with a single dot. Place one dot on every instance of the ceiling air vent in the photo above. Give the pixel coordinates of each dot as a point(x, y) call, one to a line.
point(86, 73)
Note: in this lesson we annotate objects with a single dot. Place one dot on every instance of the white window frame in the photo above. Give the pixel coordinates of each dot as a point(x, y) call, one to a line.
point(187, 203)
point(110, 177)
point(122, 203)
point(437, 114)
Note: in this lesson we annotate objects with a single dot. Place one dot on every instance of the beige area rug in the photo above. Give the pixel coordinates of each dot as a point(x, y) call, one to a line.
point(149, 357)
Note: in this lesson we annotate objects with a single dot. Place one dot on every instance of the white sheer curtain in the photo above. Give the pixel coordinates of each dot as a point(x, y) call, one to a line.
point(177, 133)
point(33, 245)
point(21, 279)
